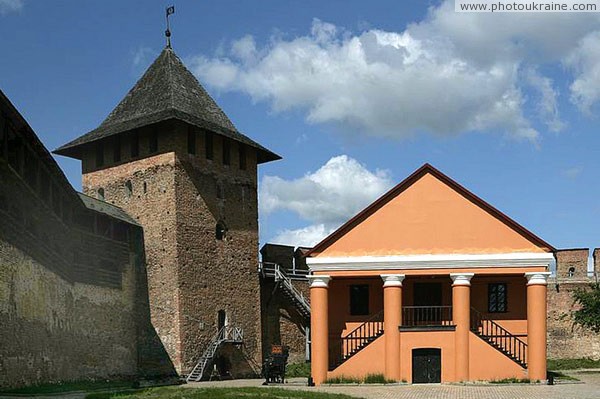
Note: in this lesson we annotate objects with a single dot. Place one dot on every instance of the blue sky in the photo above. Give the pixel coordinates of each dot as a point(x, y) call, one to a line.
point(354, 95)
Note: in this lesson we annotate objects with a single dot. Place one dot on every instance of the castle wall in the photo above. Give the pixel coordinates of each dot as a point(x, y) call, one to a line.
point(565, 338)
point(62, 316)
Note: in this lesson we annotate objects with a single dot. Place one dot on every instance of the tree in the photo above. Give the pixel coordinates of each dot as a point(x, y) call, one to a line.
point(588, 315)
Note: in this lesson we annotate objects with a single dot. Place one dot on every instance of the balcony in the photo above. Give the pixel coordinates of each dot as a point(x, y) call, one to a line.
point(426, 318)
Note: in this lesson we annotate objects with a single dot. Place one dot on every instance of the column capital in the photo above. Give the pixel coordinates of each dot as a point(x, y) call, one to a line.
point(461, 278)
point(537, 278)
point(392, 280)
point(319, 280)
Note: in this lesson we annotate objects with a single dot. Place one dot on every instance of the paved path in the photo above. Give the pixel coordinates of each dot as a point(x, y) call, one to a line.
point(589, 388)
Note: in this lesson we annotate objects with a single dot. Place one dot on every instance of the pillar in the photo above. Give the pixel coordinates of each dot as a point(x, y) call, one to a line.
point(536, 324)
point(461, 317)
point(392, 318)
point(319, 327)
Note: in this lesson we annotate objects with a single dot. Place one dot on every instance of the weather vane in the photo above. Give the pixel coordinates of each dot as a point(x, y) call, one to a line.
point(170, 10)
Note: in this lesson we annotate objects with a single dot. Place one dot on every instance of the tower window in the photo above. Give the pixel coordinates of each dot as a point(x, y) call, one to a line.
point(208, 145)
point(153, 142)
point(242, 154)
point(99, 154)
point(220, 231)
point(128, 188)
point(145, 187)
point(226, 152)
point(135, 144)
point(497, 298)
point(101, 194)
point(117, 148)
point(571, 272)
point(191, 141)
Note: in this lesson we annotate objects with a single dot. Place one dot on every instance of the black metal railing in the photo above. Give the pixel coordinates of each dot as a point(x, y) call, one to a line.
point(417, 316)
point(499, 337)
point(341, 349)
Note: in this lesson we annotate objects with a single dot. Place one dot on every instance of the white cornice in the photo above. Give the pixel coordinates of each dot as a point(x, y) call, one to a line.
point(444, 261)
point(461, 278)
point(537, 278)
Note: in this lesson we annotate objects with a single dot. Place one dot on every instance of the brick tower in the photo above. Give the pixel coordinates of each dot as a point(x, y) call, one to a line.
point(171, 158)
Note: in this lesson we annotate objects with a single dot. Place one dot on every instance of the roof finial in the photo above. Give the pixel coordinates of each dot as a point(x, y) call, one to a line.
point(170, 10)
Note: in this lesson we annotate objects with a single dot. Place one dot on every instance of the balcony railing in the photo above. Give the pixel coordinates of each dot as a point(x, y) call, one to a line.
point(425, 316)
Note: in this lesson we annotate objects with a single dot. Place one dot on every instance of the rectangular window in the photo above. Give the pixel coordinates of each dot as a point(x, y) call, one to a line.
point(99, 154)
point(117, 148)
point(191, 141)
point(135, 144)
point(208, 145)
point(153, 142)
point(497, 296)
point(242, 153)
point(226, 152)
point(359, 300)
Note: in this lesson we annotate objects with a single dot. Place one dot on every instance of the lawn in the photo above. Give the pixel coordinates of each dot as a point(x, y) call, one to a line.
point(215, 393)
point(573, 364)
point(69, 386)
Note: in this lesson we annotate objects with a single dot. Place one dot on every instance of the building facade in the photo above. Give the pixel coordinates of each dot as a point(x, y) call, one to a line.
point(429, 284)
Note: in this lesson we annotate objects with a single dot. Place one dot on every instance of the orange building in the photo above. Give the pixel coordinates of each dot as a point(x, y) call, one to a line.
point(429, 284)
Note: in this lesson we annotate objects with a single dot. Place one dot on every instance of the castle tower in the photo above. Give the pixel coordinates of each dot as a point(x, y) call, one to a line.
point(170, 157)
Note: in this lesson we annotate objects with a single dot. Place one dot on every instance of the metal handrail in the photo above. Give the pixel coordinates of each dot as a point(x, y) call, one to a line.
point(499, 337)
point(280, 276)
point(414, 316)
point(347, 346)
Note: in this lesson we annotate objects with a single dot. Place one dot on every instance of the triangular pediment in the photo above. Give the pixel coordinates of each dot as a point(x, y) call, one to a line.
point(429, 213)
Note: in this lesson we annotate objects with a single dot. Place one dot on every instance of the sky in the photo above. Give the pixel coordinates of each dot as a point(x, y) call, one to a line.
point(354, 96)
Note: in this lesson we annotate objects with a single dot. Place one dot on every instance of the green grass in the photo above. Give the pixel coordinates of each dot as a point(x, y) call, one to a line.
point(297, 370)
point(369, 379)
point(573, 364)
point(215, 393)
point(511, 381)
point(69, 386)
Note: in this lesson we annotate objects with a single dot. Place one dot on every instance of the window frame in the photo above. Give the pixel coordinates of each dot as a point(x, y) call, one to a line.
point(494, 294)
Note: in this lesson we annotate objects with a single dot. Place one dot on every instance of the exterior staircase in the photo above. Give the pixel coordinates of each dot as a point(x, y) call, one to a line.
point(358, 339)
point(285, 284)
point(498, 337)
point(227, 334)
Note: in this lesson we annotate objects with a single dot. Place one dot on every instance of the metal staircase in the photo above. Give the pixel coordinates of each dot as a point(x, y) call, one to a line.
point(291, 293)
point(498, 337)
point(227, 334)
point(349, 345)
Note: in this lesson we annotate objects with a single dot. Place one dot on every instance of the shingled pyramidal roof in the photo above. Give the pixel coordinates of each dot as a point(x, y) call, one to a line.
point(167, 90)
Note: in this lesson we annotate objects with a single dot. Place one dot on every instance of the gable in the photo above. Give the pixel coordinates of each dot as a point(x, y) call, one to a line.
point(429, 214)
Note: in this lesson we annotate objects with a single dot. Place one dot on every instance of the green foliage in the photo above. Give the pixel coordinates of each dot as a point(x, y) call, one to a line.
point(297, 370)
point(511, 381)
point(216, 393)
point(573, 364)
point(369, 379)
point(70, 386)
point(588, 315)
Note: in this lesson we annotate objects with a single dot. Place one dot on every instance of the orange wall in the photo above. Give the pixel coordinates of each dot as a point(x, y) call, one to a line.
point(486, 363)
point(340, 320)
point(370, 360)
point(432, 339)
point(429, 218)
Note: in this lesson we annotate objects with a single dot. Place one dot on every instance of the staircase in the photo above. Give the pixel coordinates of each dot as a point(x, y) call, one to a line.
point(227, 334)
point(296, 297)
point(498, 337)
point(346, 347)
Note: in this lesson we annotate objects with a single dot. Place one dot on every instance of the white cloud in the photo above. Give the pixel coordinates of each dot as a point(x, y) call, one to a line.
point(585, 61)
point(7, 6)
point(326, 198)
point(451, 73)
point(142, 57)
point(307, 236)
